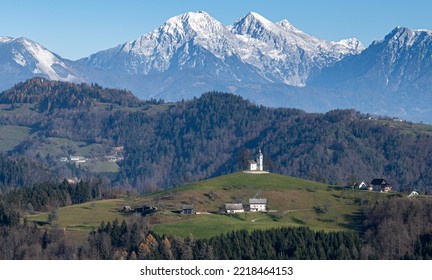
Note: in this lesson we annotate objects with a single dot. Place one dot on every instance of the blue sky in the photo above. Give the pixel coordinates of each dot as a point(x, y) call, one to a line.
point(78, 28)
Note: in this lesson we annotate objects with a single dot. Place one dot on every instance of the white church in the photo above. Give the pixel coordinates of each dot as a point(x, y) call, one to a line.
point(258, 164)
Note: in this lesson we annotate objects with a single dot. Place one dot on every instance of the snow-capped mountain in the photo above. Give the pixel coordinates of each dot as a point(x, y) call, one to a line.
point(253, 50)
point(271, 63)
point(284, 53)
point(392, 76)
point(22, 59)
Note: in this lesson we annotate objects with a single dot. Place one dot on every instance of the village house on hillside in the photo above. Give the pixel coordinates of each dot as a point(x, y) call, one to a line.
point(232, 208)
point(380, 185)
point(78, 159)
point(258, 205)
point(187, 209)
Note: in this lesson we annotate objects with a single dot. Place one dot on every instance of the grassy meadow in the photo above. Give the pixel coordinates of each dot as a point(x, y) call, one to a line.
point(291, 201)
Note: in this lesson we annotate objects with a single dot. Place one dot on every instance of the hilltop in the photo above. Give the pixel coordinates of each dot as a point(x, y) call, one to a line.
point(291, 201)
point(50, 95)
point(306, 220)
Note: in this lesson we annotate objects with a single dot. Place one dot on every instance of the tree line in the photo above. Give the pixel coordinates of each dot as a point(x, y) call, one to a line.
point(48, 196)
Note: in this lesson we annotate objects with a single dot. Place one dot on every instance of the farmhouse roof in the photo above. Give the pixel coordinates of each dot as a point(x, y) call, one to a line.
point(258, 201)
point(380, 182)
point(233, 206)
point(187, 207)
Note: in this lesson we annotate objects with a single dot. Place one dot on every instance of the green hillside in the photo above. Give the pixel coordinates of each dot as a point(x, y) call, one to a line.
point(292, 202)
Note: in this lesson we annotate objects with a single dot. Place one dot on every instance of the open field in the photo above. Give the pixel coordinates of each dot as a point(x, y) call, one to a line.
point(408, 127)
point(11, 136)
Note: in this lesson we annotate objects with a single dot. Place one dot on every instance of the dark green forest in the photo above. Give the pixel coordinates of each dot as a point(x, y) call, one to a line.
point(168, 145)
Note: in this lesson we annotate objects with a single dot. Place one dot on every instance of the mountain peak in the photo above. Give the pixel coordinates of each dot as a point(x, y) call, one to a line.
point(5, 39)
point(403, 36)
point(254, 23)
point(197, 21)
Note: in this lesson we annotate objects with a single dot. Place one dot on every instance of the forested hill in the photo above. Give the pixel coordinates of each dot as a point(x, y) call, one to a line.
point(167, 145)
point(218, 133)
point(62, 95)
point(19, 172)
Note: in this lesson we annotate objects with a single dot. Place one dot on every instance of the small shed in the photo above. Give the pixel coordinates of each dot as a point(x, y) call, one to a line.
point(232, 208)
point(362, 186)
point(187, 209)
point(413, 193)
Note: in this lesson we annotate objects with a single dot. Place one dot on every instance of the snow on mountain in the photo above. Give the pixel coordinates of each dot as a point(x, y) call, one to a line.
point(401, 59)
point(392, 76)
point(22, 58)
point(285, 53)
point(277, 52)
point(154, 51)
point(271, 63)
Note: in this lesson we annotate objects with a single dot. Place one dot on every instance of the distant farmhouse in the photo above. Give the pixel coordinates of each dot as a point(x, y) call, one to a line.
point(376, 185)
point(380, 185)
point(187, 209)
point(113, 158)
point(77, 159)
point(232, 208)
point(257, 204)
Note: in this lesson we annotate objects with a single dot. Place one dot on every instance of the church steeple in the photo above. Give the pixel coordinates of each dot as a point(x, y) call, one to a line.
point(260, 160)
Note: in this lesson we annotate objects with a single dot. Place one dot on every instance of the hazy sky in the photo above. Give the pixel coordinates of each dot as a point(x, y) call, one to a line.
point(78, 28)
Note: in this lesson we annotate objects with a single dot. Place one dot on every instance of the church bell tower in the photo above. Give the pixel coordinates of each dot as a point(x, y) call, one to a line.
point(260, 160)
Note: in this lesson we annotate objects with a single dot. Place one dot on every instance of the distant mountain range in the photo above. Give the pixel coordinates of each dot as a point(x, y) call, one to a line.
point(274, 64)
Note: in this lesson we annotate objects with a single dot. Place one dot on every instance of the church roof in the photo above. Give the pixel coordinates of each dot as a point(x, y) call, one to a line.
point(252, 162)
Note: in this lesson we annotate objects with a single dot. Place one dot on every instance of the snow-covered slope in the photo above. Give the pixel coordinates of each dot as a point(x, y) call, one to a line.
point(22, 58)
point(286, 54)
point(392, 76)
point(268, 52)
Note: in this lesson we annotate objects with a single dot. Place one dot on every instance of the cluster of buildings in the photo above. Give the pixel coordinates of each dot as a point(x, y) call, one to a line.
point(74, 159)
point(116, 155)
point(82, 159)
point(376, 185)
point(255, 205)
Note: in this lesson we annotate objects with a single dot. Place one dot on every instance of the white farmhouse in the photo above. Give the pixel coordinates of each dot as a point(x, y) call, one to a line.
point(232, 208)
point(77, 159)
point(258, 204)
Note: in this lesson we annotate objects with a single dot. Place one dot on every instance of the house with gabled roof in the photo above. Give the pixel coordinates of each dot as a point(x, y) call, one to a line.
point(258, 204)
point(380, 185)
point(232, 208)
point(187, 209)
